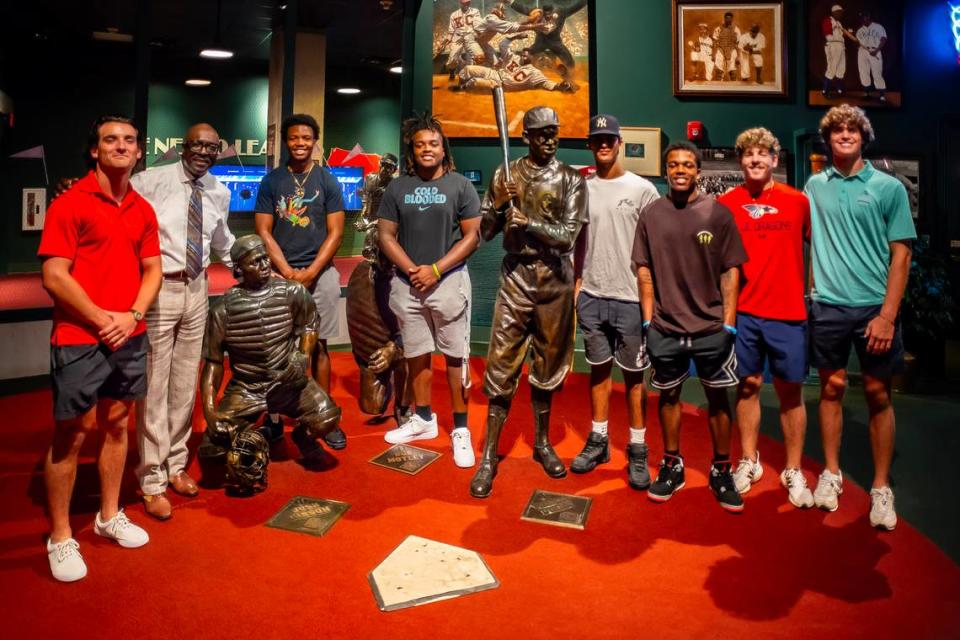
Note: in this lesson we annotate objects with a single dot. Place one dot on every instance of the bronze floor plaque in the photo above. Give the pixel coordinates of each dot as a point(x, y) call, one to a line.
point(314, 516)
point(405, 459)
point(558, 509)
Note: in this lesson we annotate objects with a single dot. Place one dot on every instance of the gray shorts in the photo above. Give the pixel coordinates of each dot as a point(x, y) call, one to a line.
point(435, 319)
point(326, 294)
point(612, 330)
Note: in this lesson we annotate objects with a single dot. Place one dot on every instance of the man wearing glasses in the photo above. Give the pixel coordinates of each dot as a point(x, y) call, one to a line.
point(192, 208)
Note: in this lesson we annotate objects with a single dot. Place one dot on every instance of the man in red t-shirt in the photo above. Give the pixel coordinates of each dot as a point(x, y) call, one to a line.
point(101, 265)
point(774, 221)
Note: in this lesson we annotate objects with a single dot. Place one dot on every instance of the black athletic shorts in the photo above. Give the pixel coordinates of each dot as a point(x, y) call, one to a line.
point(713, 355)
point(83, 373)
point(833, 329)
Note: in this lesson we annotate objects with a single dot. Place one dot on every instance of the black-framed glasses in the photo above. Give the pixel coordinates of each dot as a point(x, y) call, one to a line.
point(198, 146)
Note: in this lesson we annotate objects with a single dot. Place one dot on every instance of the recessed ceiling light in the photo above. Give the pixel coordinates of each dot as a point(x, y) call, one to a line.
point(197, 82)
point(348, 90)
point(396, 69)
point(216, 52)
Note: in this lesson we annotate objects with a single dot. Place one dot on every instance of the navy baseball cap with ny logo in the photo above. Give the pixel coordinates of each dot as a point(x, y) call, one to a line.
point(603, 124)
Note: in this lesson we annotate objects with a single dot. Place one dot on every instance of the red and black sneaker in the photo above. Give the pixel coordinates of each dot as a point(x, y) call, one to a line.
point(724, 489)
point(669, 480)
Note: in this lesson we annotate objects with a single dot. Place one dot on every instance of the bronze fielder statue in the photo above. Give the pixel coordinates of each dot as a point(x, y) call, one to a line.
point(268, 326)
point(374, 331)
point(540, 204)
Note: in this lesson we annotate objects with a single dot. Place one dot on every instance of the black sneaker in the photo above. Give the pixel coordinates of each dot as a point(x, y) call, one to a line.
point(669, 480)
point(336, 439)
point(272, 430)
point(595, 451)
point(721, 483)
point(638, 473)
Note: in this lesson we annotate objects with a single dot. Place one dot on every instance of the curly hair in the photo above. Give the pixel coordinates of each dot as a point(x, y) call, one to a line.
point(683, 145)
point(757, 137)
point(845, 114)
point(423, 122)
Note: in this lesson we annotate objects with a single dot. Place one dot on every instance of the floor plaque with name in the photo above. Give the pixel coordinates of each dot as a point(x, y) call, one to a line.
point(558, 509)
point(405, 458)
point(314, 516)
point(420, 571)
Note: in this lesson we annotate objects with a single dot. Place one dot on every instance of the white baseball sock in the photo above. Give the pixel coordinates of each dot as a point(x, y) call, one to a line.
point(600, 428)
point(637, 436)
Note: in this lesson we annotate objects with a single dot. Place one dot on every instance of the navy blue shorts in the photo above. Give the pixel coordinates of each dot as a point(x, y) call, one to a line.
point(81, 374)
point(713, 355)
point(835, 328)
point(612, 330)
point(781, 343)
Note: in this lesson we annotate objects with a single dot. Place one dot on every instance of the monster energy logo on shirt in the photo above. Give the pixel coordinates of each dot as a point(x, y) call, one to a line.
point(425, 196)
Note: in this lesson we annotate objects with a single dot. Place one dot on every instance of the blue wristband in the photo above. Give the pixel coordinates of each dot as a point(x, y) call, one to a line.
point(731, 330)
point(646, 323)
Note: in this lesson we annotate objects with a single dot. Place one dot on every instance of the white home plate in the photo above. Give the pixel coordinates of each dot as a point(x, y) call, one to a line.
point(419, 571)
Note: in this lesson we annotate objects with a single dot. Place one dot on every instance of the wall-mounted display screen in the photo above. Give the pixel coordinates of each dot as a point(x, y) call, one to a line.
point(243, 182)
point(351, 181)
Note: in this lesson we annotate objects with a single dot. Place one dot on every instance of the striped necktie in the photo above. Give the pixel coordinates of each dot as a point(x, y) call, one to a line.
point(194, 265)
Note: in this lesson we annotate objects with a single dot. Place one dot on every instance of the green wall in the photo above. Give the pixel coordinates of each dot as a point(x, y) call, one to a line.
point(633, 81)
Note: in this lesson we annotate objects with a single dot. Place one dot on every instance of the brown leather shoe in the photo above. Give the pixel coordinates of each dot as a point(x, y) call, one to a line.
point(158, 506)
point(184, 485)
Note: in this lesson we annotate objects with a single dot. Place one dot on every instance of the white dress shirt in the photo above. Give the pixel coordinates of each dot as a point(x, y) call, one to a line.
point(168, 189)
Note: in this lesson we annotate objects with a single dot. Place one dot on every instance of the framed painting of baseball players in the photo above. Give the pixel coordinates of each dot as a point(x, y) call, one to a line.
point(855, 50)
point(538, 51)
point(729, 49)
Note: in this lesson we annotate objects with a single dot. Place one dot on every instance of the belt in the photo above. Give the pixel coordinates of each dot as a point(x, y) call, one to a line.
point(182, 275)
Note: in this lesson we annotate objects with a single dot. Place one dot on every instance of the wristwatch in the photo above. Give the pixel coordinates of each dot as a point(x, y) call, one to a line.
point(136, 315)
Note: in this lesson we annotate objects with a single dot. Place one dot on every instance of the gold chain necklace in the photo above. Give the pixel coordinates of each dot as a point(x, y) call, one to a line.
point(298, 192)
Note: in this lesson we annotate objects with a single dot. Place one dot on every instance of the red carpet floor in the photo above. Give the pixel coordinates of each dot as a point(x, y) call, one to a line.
point(684, 569)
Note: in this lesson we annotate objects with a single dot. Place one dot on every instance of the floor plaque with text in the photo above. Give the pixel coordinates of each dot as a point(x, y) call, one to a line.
point(314, 516)
point(405, 458)
point(558, 509)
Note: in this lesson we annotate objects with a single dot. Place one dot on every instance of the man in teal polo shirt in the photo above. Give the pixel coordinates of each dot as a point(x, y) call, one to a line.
point(861, 230)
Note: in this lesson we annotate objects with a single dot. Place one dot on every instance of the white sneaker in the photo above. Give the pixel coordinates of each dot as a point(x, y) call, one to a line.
point(829, 487)
point(66, 563)
point(748, 471)
point(882, 514)
point(463, 455)
point(796, 485)
point(416, 428)
point(119, 528)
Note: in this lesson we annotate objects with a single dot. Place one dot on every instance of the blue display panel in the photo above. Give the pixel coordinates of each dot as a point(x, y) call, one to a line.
point(351, 182)
point(243, 182)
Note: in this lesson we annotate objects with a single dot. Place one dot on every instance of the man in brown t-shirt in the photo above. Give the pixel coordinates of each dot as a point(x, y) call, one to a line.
point(688, 253)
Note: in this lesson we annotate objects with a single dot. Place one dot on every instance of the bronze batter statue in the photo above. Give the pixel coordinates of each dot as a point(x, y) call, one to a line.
point(374, 331)
point(268, 326)
point(540, 210)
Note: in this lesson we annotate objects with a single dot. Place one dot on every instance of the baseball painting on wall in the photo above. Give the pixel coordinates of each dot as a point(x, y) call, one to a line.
point(729, 49)
point(855, 52)
point(537, 50)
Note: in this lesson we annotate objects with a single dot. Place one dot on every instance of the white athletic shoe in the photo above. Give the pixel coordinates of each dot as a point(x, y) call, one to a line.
point(119, 528)
point(463, 455)
point(416, 428)
point(748, 471)
point(829, 487)
point(796, 485)
point(882, 514)
point(66, 563)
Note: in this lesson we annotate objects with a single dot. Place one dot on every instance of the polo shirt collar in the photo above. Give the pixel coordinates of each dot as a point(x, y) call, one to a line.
point(863, 175)
point(90, 184)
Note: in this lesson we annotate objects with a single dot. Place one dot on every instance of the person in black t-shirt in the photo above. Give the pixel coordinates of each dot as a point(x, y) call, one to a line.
point(688, 253)
point(429, 222)
point(299, 216)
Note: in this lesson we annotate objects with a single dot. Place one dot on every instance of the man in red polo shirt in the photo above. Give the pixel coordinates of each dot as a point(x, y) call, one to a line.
point(101, 265)
point(774, 221)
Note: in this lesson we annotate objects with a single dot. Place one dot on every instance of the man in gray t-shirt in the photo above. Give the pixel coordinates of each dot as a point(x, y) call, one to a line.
point(608, 304)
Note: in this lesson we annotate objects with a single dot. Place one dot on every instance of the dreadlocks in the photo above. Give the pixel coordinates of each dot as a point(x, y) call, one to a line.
point(420, 122)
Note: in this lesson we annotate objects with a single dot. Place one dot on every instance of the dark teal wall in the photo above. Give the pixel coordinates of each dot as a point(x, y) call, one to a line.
point(634, 82)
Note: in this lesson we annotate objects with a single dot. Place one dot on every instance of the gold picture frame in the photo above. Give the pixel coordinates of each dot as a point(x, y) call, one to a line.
point(640, 150)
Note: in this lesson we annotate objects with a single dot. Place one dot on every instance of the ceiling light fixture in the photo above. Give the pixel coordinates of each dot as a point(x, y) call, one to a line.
point(217, 51)
point(396, 69)
point(348, 90)
point(197, 82)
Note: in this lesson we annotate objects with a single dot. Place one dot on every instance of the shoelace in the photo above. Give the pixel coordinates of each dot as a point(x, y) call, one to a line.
point(794, 478)
point(744, 466)
point(120, 522)
point(882, 496)
point(726, 480)
point(67, 549)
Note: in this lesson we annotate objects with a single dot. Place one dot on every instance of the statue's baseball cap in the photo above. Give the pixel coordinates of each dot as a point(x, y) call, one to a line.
point(244, 245)
point(540, 117)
